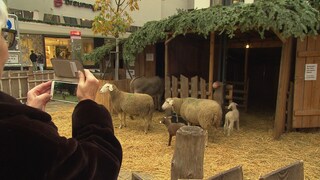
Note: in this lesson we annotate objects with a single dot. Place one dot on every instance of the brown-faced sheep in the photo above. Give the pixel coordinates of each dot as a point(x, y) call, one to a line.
point(172, 127)
point(203, 112)
point(130, 103)
point(231, 117)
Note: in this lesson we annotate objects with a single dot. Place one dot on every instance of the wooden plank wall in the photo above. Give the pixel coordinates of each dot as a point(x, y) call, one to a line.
point(306, 105)
point(144, 67)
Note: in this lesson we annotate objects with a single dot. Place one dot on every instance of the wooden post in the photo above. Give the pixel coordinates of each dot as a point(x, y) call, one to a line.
point(188, 157)
point(166, 68)
point(290, 108)
point(211, 64)
point(283, 85)
point(246, 58)
point(166, 56)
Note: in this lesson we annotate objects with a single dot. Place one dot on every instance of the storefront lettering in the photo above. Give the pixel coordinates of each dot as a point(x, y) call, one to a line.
point(79, 4)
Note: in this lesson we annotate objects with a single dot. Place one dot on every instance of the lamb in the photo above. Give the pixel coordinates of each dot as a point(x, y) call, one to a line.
point(231, 117)
point(130, 103)
point(172, 127)
point(203, 112)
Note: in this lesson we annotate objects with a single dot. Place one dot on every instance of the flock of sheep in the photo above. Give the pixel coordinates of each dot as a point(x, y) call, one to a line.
point(145, 94)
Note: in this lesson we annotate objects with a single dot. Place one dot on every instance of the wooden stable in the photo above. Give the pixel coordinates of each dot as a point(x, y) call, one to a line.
point(192, 55)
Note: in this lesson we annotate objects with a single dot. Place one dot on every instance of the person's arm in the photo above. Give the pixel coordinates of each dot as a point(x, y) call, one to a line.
point(97, 152)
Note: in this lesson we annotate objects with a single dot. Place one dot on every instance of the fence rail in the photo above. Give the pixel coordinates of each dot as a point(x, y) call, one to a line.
point(195, 87)
point(18, 83)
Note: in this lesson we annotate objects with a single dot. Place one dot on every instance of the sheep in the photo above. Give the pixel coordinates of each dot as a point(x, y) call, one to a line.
point(172, 127)
point(130, 103)
point(203, 112)
point(231, 117)
point(154, 86)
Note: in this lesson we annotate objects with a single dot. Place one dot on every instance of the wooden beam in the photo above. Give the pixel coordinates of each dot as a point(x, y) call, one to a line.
point(211, 64)
point(279, 36)
point(283, 85)
point(246, 59)
point(256, 44)
point(166, 56)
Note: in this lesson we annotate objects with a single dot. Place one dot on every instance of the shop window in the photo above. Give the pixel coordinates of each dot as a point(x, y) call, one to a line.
point(56, 48)
point(51, 18)
point(70, 20)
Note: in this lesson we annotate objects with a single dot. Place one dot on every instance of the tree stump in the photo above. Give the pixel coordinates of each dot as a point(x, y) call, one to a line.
point(188, 157)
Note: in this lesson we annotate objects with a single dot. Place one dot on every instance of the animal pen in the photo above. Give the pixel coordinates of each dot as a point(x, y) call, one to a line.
point(194, 87)
point(204, 49)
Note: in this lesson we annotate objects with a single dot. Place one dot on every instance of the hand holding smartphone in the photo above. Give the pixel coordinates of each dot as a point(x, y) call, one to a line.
point(64, 86)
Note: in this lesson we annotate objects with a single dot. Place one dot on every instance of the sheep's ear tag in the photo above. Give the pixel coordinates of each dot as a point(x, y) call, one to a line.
point(110, 88)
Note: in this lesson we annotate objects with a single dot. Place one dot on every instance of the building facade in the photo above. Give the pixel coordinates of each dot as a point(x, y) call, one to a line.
point(45, 25)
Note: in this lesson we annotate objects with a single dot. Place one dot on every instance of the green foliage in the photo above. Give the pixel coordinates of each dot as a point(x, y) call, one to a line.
point(113, 20)
point(296, 18)
point(99, 53)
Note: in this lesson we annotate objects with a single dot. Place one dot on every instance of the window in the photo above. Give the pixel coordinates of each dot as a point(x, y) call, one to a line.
point(86, 23)
point(70, 20)
point(21, 13)
point(51, 18)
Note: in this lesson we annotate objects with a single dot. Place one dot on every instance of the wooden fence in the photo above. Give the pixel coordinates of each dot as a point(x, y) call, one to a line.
point(18, 83)
point(196, 88)
point(240, 93)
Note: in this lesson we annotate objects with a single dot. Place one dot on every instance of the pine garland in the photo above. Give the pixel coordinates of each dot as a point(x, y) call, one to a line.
point(290, 18)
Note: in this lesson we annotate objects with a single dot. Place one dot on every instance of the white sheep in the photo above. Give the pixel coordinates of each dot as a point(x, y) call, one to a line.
point(130, 103)
point(231, 117)
point(203, 112)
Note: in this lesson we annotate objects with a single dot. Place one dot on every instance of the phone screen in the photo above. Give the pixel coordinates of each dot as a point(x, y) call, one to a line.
point(64, 91)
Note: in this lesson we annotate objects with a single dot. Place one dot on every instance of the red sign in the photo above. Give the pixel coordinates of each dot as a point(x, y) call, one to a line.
point(75, 33)
point(57, 3)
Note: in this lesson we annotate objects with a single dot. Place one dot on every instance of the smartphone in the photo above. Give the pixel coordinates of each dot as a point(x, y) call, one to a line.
point(64, 91)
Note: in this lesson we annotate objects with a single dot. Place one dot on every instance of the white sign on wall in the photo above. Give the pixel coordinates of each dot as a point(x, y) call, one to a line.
point(310, 72)
point(149, 57)
point(13, 59)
